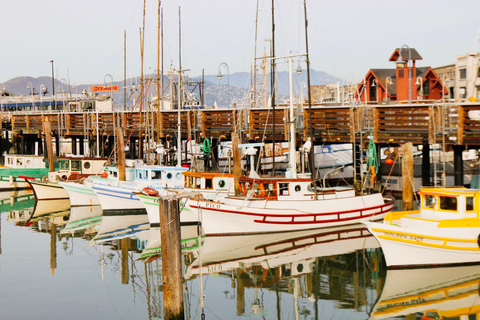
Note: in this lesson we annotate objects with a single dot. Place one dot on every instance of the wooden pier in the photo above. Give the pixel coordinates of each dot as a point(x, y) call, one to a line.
point(447, 123)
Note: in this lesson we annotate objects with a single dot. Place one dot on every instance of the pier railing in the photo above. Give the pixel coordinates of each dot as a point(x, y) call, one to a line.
point(389, 124)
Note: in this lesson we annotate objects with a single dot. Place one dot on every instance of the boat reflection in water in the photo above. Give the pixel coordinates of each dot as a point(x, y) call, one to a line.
point(432, 293)
point(19, 204)
point(84, 221)
point(54, 211)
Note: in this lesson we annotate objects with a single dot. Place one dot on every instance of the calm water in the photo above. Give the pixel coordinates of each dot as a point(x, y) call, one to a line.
point(61, 263)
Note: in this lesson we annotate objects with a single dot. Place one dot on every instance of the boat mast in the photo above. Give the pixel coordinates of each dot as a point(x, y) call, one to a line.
point(158, 72)
point(255, 62)
point(179, 134)
point(272, 86)
point(140, 143)
point(311, 154)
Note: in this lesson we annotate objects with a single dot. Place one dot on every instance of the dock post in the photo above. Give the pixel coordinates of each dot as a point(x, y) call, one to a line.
point(237, 165)
point(53, 247)
point(121, 154)
point(48, 140)
point(171, 258)
point(407, 176)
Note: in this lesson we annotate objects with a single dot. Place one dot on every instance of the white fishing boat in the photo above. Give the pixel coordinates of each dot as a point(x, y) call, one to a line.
point(434, 293)
point(445, 231)
point(17, 167)
point(71, 168)
point(208, 185)
point(81, 193)
point(120, 196)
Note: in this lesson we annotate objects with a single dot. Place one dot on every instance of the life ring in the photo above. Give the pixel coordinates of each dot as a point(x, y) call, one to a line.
point(150, 191)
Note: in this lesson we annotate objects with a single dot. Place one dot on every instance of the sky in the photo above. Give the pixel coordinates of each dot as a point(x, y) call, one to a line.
point(346, 38)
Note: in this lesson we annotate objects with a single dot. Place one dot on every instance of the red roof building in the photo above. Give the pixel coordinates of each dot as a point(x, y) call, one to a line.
point(405, 82)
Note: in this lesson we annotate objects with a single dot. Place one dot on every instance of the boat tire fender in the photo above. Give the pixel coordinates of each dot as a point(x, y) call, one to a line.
point(150, 191)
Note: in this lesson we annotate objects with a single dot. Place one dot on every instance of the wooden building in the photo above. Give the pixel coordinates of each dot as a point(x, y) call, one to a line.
point(404, 83)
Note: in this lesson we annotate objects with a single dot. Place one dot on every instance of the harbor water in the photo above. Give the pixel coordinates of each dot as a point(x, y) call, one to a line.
point(58, 262)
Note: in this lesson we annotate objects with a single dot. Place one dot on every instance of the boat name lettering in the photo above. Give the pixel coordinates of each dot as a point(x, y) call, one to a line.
point(403, 236)
point(212, 205)
point(215, 268)
point(406, 303)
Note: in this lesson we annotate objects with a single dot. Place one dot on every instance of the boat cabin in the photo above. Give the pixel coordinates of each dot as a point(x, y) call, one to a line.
point(452, 201)
point(75, 167)
point(24, 161)
point(215, 181)
point(278, 188)
point(170, 177)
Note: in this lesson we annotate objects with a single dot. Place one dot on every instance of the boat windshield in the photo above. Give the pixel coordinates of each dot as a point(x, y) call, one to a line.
point(76, 165)
point(64, 164)
point(448, 203)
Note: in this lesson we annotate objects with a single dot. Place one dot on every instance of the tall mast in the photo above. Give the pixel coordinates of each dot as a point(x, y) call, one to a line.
point(158, 72)
point(312, 148)
point(255, 62)
point(272, 88)
point(125, 70)
point(140, 143)
point(179, 134)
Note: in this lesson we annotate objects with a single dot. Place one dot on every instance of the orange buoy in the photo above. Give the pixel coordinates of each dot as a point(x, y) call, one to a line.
point(150, 191)
point(104, 175)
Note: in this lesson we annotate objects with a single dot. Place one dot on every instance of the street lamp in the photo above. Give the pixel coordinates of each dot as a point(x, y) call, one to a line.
point(409, 71)
point(388, 80)
point(220, 76)
point(420, 82)
point(375, 84)
point(30, 86)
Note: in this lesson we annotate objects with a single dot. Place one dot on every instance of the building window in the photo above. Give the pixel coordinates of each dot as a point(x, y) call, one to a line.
point(400, 73)
point(478, 92)
point(463, 73)
point(463, 93)
point(426, 86)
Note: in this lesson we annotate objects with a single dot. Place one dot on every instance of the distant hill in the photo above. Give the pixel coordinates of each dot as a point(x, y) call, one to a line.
point(215, 90)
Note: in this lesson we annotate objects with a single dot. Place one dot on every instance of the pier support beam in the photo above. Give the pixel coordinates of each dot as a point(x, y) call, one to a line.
point(458, 164)
point(171, 258)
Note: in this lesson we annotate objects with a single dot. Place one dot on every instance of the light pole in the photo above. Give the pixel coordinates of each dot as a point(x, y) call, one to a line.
point(375, 84)
point(420, 82)
point(2, 95)
point(30, 86)
point(219, 76)
point(409, 71)
point(388, 80)
point(43, 90)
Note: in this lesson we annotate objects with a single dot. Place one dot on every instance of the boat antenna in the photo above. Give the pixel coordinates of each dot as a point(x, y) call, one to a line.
point(179, 134)
point(311, 155)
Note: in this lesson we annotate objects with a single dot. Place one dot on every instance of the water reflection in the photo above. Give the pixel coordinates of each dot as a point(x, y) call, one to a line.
point(440, 293)
point(115, 262)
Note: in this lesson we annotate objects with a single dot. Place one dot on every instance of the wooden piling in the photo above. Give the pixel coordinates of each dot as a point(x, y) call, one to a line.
point(171, 258)
point(53, 247)
point(237, 166)
point(407, 175)
point(47, 129)
point(121, 154)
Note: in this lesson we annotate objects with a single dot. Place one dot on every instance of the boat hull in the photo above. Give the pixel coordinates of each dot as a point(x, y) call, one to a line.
point(415, 247)
point(117, 200)
point(151, 204)
point(80, 194)
point(46, 190)
point(237, 216)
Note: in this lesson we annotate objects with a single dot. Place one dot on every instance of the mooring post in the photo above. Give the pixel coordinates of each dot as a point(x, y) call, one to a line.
point(53, 247)
point(169, 212)
point(48, 140)
point(237, 165)
point(121, 154)
point(407, 176)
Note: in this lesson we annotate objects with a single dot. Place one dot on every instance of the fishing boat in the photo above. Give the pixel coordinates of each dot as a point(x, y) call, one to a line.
point(81, 193)
point(121, 196)
point(433, 293)
point(71, 168)
point(445, 231)
point(17, 167)
point(208, 185)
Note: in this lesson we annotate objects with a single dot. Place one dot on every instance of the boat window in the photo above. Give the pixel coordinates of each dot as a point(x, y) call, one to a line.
point(430, 201)
point(283, 187)
point(86, 165)
point(470, 203)
point(156, 174)
point(20, 162)
point(114, 174)
point(208, 184)
point(198, 183)
point(178, 175)
point(63, 164)
point(169, 176)
point(76, 165)
point(221, 183)
point(298, 188)
point(448, 203)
